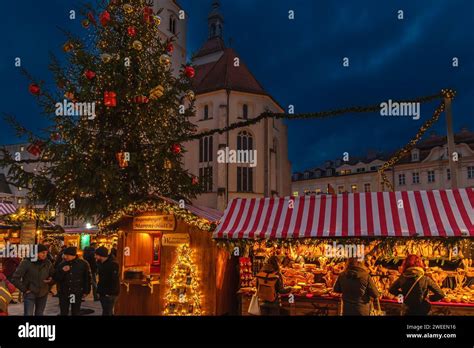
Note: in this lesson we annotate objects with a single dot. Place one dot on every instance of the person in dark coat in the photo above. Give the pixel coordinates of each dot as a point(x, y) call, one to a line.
point(269, 271)
point(413, 287)
point(33, 278)
point(74, 277)
point(357, 288)
point(89, 256)
point(109, 280)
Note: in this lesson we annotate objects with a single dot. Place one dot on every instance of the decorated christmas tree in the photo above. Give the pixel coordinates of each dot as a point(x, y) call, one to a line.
point(117, 116)
point(184, 296)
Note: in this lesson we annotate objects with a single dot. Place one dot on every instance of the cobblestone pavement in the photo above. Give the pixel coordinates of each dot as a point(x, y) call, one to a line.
point(52, 307)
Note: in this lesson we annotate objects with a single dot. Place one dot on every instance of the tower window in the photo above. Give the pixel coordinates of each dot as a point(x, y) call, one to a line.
point(172, 27)
point(206, 112)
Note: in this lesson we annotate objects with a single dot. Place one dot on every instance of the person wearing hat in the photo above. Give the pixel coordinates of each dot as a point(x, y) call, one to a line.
point(109, 281)
point(74, 278)
point(33, 278)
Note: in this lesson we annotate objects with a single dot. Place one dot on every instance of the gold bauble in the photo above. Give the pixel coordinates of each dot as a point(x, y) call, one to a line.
point(165, 60)
point(157, 20)
point(190, 95)
point(106, 57)
point(127, 8)
point(137, 45)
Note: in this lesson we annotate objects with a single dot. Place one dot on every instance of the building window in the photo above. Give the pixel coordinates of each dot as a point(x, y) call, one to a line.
point(306, 175)
point(367, 188)
point(317, 173)
point(317, 191)
point(68, 221)
point(245, 111)
point(245, 174)
point(354, 188)
point(206, 112)
point(431, 176)
point(340, 189)
point(415, 156)
point(19, 201)
point(206, 149)
point(329, 172)
point(22, 148)
point(401, 179)
point(296, 194)
point(345, 172)
point(205, 178)
point(448, 174)
point(360, 170)
point(172, 27)
point(373, 168)
point(416, 178)
point(470, 172)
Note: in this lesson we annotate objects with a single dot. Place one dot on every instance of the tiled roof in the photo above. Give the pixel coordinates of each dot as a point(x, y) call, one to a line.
point(211, 46)
point(224, 75)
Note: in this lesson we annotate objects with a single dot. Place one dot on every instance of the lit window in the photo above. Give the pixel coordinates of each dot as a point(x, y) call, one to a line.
point(20, 200)
point(354, 188)
point(318, 191)
point(22, 148)
point(295, 194)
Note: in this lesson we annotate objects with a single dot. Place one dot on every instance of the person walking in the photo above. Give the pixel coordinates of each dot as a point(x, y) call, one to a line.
point(109, 281)
point(413, 287)
point(33, 279)
point(357, 288)
point(269, 287)
point(89, 256)
point(74, 277)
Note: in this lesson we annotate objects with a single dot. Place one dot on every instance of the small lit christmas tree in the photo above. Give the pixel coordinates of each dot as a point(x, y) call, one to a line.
point(184, 296)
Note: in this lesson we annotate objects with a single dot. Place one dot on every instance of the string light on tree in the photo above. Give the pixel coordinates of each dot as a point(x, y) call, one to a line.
point(184, 295)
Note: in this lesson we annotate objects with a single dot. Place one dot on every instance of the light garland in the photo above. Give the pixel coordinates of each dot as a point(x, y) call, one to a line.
point(184, 296)
point(135, 209)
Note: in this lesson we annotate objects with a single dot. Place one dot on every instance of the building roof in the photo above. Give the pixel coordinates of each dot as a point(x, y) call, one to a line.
point(4, 187)
point(216, 44)
point(224, 75)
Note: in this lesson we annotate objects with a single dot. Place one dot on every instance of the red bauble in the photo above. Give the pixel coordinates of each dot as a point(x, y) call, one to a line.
point(110, 99)
point(141, 99)
point(189, 71)
point(176, 149)
point(34, 89)
point(170, 48)
point(147, 14)
point(35, 148)
point(132, 31)
point(55, 136)
point(195, 181)
point(89, 74)
point(105, 18)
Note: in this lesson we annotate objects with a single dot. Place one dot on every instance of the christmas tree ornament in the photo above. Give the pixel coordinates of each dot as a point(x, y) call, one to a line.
point(195, 181)
point(157, 92)
point(176, 149)
point(106, 58)
point(102, 44)
point(104, 18)
point(55, 136)
point(170, 47)
point(157, 20)
point(110, 99)
point(35, 148)
point(190, 95)
point(147, 14)
point(122, 159)
point(168, 165)
point(127, 8)
point(165, 60)
point(90, 17)
point(141, 99)
point(69, 96)
point(131, 31)
point(68, 46)
point(34, 89)
point(86, 23)
point(189, 71)
point(137, 45)
point(89, 74)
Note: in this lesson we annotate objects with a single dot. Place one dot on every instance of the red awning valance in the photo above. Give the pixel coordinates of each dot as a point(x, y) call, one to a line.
point(444, 213)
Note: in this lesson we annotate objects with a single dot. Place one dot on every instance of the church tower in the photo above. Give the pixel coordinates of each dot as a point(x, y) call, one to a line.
point(173, 25)
point(215, 21)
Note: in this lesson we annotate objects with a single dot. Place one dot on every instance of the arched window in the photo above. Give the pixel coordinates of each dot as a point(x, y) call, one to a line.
point(206, 112)
point(213, 30)
point(244, 171)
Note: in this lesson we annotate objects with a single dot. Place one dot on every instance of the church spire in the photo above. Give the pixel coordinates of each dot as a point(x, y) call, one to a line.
point(215, 21)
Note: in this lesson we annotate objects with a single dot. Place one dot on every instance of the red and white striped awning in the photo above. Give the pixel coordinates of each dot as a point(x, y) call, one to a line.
point(445, 213)
point(7, 208)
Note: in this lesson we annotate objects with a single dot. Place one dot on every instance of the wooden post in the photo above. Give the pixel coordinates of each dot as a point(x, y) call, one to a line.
point(451, 144)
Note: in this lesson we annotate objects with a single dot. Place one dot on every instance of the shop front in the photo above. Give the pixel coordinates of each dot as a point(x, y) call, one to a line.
point(169, 263)
point(313, 236)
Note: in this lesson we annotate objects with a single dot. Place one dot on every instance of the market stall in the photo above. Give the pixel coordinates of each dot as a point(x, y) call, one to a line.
point(313, 235)
point(169, 263)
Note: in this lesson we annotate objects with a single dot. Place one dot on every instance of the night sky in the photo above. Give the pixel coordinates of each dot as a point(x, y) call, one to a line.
point(299, 62)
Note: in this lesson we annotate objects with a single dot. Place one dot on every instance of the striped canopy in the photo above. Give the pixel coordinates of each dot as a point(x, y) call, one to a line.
point(444, 213)
point(7, 208)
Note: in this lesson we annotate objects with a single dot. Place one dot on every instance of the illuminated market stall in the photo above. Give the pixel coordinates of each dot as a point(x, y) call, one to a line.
point(312, 235)
point(169, 263)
